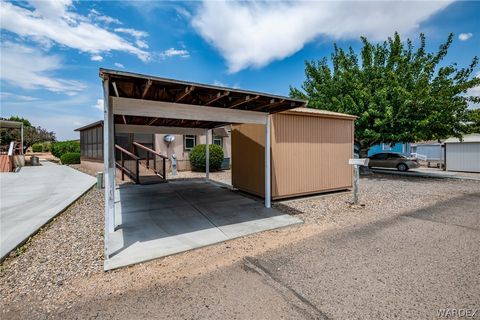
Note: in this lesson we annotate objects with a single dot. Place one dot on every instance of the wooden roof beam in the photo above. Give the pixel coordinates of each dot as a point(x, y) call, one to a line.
point(147, 87)
point(188, 90)
point(151, 121)
point(272, 103)
point(247, 99)
point(218, 97)
point(115, 88)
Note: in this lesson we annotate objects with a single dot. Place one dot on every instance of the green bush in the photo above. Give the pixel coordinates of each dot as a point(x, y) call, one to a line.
point(47, 146)
point(60, 148)
point(70, 158)
point(197, 157)
point(37, 147)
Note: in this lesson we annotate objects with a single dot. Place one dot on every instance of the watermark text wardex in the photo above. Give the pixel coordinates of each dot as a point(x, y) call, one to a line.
point(451, 313)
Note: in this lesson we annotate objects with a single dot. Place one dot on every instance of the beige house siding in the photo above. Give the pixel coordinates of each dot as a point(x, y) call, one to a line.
point(310, 153)
point(177, 147)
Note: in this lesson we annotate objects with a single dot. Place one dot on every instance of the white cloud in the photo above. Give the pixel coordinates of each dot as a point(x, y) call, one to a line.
point(59, 114)
point(55, 21)
point(29, 68)
point(253, 34)
point(119, 65)
point(8, 96)
point(465, 36)
point(172, 52)
point(141, 44)
point(95, 15)
point(132, 32)
point(98, 105)
point(96, 57)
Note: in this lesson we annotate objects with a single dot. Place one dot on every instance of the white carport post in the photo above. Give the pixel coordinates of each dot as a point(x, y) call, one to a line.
point(267, 163)
point(207, 155)
point(109, 164)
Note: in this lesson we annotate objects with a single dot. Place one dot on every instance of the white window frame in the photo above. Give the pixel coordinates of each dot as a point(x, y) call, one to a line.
point(218, 138)
point(386, 146)
point(189, 136)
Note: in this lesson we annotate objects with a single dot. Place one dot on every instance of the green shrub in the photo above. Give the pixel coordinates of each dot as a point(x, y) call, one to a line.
point(47, 146)
point(60, 148)
point(197, 157)
point(37, 147)
point(70, 158)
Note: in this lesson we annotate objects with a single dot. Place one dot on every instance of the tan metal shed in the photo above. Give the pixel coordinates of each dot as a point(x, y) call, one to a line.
point(310, 149)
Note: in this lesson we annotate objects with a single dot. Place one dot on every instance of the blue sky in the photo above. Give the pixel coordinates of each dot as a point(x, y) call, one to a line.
point(51, 51)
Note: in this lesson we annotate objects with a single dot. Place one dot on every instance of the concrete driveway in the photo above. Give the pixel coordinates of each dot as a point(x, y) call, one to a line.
point(158, 220)
point(404, 267)
point(33, 196)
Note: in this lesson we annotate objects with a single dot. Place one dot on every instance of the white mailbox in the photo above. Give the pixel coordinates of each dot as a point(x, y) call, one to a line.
point(359, 162)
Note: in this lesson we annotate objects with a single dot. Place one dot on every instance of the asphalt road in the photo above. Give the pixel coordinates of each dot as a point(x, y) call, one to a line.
point(406, 267)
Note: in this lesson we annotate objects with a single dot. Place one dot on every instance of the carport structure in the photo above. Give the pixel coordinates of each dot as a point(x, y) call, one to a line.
point(135, 103)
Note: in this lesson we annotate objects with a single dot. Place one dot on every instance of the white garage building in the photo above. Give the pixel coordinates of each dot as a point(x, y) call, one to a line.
point(463, 155)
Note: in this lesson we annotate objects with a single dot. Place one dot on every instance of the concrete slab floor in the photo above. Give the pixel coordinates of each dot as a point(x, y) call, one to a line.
point(33, 196)
point(154, 221)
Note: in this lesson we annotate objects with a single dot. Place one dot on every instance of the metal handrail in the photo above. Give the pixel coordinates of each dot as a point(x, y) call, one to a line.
point(133, 175)
point(127, 152)
point(150, 150)
point(163, 174)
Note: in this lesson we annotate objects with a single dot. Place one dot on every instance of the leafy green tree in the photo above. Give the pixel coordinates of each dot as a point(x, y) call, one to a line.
point(398, 93)
point(473, 121)
point(31, 134)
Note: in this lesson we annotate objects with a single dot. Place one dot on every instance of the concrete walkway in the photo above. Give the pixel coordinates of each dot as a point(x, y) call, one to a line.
point(33, 196)
point(163, 219)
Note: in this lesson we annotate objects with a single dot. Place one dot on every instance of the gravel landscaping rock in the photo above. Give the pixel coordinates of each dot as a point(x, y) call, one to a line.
point(63, 264)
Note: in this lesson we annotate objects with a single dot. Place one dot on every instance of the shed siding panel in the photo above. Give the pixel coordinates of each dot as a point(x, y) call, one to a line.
point(463, 156)
point(309, 155)
point(248, 158)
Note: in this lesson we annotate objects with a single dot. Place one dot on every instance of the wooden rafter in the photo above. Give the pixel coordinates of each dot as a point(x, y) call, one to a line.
point(188, 90)
point(115, 88)
point(247, 99)
point(273, 103)
point(152, 121)
point(218, 97)
point(147, 87)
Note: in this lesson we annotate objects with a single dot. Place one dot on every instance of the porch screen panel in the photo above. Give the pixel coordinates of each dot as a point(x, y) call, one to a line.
point(91, 143)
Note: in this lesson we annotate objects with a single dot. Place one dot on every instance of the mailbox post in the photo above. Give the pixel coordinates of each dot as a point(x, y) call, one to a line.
point(356, 175)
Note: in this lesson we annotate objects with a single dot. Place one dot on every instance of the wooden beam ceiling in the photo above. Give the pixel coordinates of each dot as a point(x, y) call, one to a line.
point(188, 90)
point(218, 97)
point(239, 103)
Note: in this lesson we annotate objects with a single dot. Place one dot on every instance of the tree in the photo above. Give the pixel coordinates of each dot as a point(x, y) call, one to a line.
point(473, 121)
point(31, 134)
point(398, 94)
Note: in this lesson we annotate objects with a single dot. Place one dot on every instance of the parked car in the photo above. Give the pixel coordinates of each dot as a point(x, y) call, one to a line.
point(392, 160)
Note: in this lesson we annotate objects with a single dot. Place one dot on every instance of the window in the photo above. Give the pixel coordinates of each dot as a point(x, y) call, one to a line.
point(189, 142)
point(379, 156)
point(394, 156)
point(218, 140)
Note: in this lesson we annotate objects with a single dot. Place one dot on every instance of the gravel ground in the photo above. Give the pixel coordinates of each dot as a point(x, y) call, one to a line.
point(62, 265)
point(220, 176)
